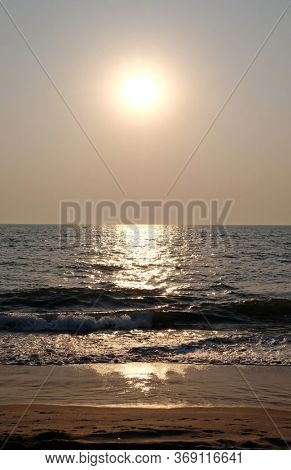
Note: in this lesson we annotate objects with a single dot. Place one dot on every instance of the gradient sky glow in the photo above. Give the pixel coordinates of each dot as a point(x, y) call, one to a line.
point(197, 50)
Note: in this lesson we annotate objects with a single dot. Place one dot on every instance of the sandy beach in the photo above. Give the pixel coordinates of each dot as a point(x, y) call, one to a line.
point(145, 406)
point(69, 427)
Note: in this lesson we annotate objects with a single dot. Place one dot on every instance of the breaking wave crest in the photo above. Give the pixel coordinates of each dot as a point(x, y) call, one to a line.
point(207, 315)
point(76, 324)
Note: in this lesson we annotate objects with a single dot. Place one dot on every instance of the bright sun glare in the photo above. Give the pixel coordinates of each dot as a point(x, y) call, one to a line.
point(141, 91)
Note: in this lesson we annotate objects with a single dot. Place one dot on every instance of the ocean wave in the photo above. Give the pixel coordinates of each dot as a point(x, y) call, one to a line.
point(110, 296)
point(263, 309)
point(53, 298)
point(255, 313)
point(76, 324)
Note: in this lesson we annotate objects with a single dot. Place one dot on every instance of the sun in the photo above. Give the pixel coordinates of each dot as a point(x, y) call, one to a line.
point(141, 91)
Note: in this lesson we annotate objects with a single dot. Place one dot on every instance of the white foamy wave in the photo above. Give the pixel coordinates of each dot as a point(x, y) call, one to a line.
point(72, 323)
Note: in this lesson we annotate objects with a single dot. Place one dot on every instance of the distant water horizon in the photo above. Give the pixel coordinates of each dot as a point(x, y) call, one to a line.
point(118, 294)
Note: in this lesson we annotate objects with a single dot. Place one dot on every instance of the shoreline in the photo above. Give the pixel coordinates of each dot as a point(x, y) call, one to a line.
point(83, 427)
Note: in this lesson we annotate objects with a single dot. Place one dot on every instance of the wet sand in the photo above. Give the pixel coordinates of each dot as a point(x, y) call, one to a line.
point(76, 427)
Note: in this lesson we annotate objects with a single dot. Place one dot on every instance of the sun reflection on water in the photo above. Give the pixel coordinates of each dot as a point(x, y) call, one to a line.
point(146, 261)
point(143, 377)
point(137, 257)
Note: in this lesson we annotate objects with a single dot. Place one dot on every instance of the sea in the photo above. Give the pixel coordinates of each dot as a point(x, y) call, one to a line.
point(128, 294)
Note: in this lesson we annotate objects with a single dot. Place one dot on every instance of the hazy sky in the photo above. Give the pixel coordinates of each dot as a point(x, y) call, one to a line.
point(196, 50)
